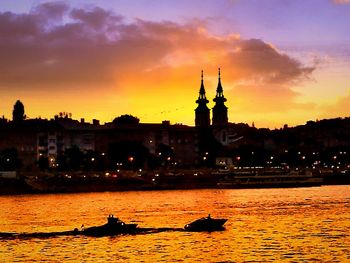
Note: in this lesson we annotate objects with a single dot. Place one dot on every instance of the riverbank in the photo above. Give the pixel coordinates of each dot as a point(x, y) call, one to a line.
point(76, 182)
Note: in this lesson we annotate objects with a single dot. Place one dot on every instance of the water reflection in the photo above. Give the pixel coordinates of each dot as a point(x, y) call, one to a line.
point(302, 224)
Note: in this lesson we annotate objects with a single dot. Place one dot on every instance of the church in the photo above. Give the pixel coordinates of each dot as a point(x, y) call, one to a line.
point(202, 118)
point(219, 124)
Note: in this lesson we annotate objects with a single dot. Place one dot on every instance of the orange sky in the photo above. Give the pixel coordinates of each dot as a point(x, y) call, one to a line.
point(98, 65)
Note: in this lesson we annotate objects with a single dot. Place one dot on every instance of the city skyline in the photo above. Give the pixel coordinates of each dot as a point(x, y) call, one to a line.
point(282, 63)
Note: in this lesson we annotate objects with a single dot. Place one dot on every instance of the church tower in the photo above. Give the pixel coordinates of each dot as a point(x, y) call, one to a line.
point(219, 110)
point(202, 118)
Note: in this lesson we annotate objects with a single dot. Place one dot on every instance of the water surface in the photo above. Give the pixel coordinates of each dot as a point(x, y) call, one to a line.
point(288, 225)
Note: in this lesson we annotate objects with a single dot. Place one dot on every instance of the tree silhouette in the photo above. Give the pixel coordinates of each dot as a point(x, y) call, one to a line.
point(18, 112)
point(126, 119)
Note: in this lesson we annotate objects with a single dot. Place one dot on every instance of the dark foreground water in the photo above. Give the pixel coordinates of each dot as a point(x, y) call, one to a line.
point(286, 225)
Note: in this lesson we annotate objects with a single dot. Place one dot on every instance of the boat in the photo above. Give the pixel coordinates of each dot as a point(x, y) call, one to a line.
point(114, 226)
point(269, 180)
point(206, 224)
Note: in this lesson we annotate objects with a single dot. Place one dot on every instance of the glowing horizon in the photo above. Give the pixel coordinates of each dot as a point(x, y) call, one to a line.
point(100, 62)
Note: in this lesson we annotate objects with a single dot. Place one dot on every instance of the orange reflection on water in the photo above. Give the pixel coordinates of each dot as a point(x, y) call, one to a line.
point(302, 224)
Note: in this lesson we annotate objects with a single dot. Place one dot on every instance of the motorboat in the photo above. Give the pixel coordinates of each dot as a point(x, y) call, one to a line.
point(206, 224)
point(114, 226)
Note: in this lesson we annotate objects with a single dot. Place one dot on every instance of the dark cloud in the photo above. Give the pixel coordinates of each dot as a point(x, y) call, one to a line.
point(15, 27)
point(50, 11)
point(267, 64)
point(92, 47)
point(96, 18)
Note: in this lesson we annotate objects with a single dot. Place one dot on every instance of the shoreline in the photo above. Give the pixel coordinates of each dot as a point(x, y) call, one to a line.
point(79, 182)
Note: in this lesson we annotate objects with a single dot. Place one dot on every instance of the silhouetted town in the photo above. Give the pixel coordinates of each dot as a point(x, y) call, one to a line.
point(63, 145)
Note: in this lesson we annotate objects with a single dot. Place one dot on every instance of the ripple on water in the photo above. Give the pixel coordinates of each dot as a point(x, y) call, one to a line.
point(293, 225)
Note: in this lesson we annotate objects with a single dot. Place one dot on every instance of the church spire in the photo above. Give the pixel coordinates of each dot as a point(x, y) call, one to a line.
point(202, 90)
point(202, 118)
point(219, 110)
point(219, 90)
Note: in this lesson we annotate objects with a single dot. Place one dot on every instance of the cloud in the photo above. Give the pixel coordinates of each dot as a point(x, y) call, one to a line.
point(263, 63)
point(341, 2)
point(50, 10)
point(57, 44)
point(96, 18)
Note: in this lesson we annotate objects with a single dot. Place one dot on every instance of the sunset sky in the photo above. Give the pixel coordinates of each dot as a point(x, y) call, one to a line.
point(282, 62)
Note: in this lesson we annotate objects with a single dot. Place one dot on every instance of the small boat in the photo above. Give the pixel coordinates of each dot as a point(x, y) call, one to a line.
point(114, 226)
point(206, 224)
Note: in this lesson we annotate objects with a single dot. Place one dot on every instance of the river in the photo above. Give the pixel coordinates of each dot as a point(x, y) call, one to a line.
point(287, 225)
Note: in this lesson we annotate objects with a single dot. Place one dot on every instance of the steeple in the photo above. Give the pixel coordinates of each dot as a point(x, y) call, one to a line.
point(202, 91)
point(202, 112)
point(220, 110)
point(219, 90)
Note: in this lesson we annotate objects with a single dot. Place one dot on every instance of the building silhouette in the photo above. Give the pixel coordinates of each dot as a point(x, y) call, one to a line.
point(32, 144)
point(219, 110)
point(220, 127)
point(202, 112)
point(45, 143)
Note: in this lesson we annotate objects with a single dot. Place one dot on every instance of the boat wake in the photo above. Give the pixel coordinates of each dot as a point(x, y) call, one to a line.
point(116, 227)
point(138, 231)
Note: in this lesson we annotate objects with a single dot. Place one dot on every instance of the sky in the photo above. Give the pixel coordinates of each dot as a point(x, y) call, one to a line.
point(282, 62)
